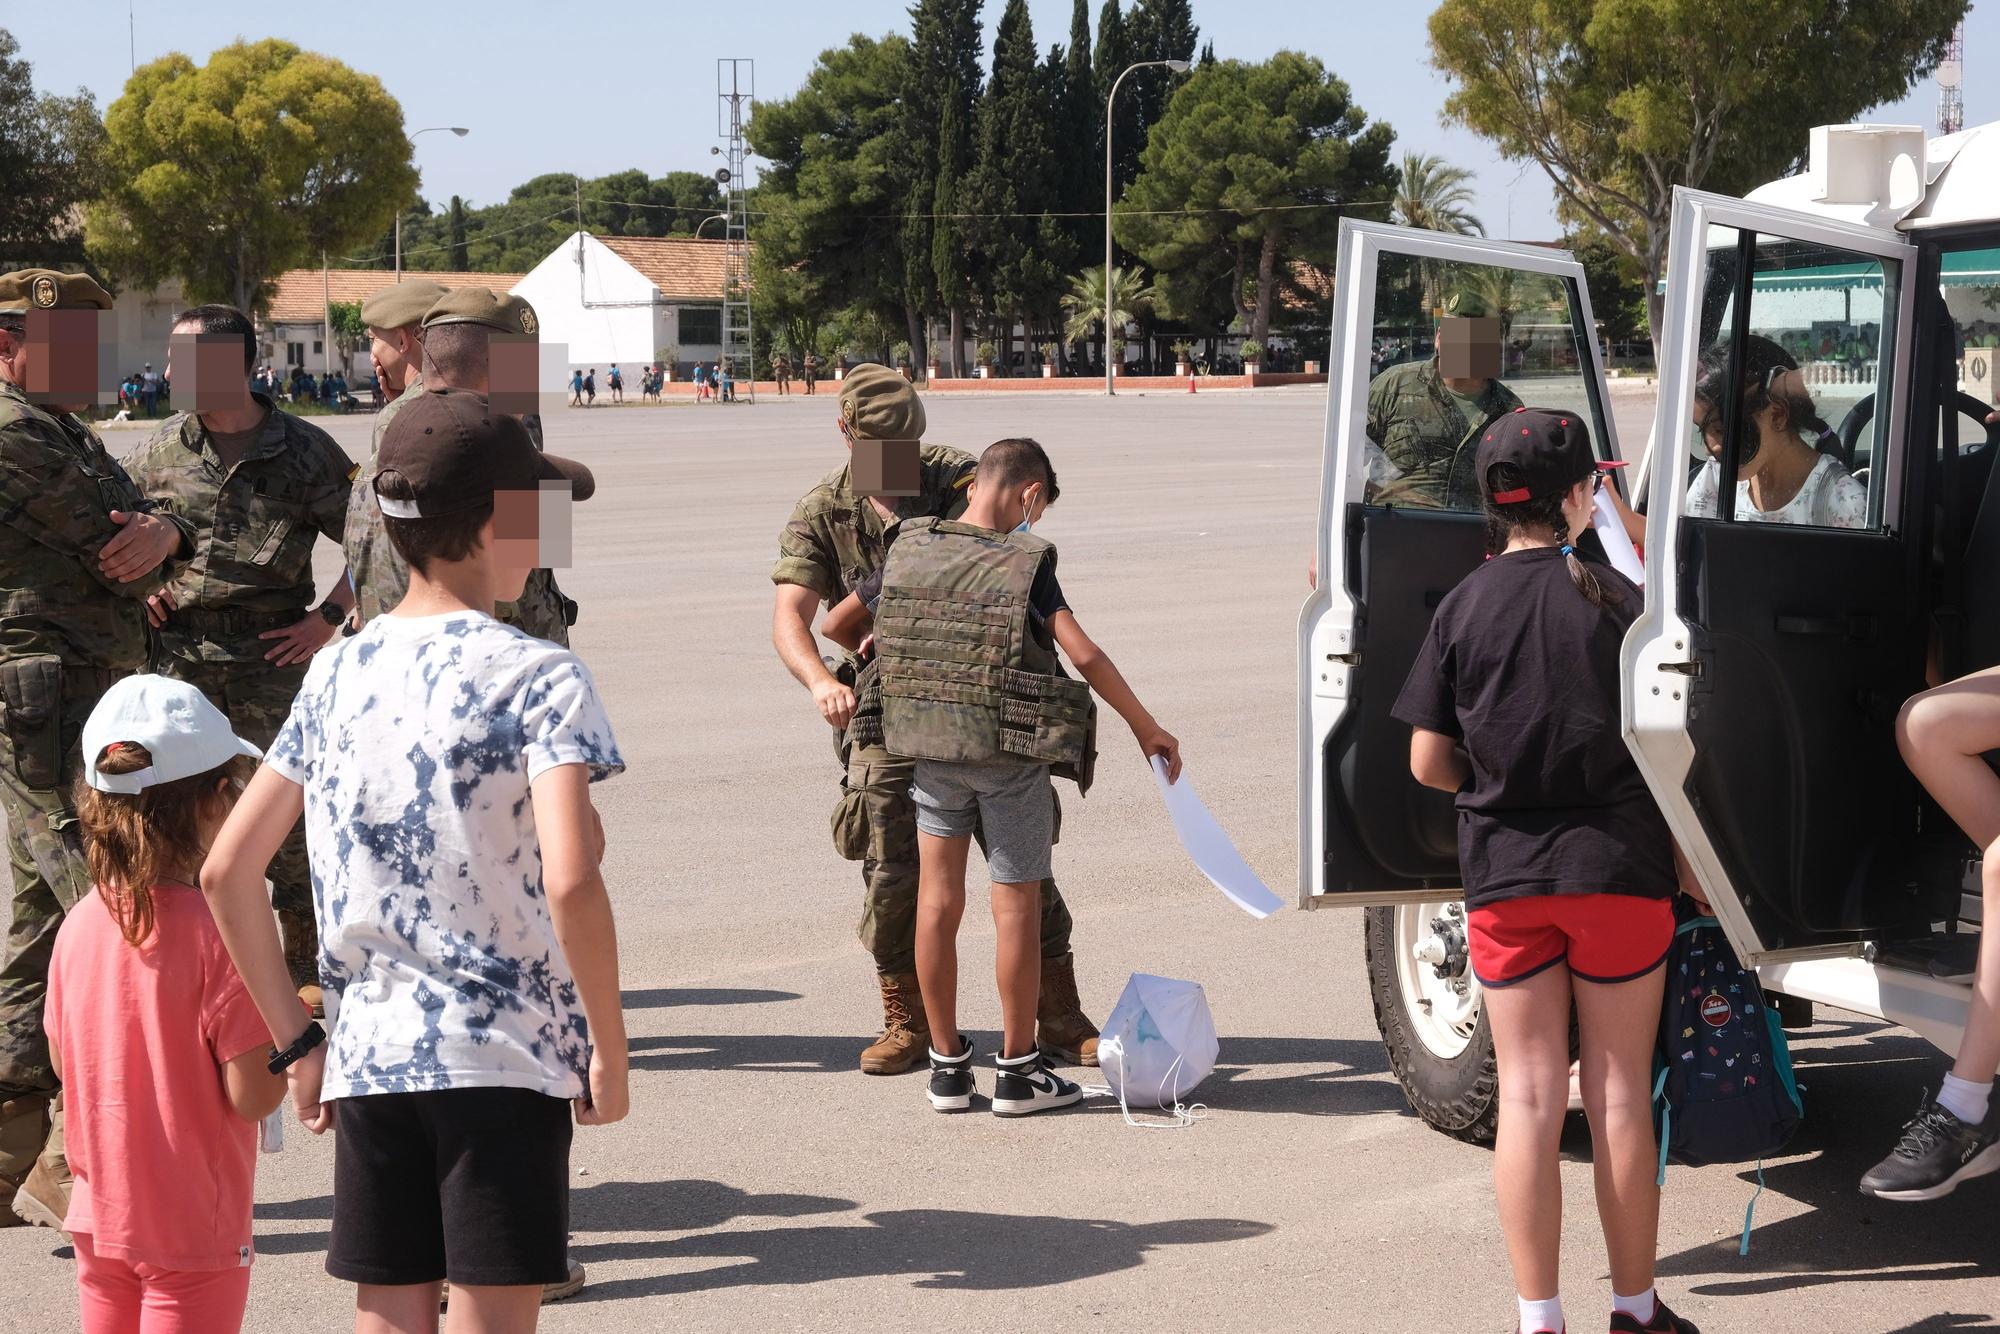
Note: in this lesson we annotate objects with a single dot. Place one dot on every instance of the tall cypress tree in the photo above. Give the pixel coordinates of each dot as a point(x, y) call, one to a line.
point(947, 254)
point(945, 47)
point(459, 260)
point(1082, 119)
point(1114, 53)
point(1158, 30)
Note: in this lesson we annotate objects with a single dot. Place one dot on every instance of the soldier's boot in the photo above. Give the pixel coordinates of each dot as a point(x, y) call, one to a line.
point(43, 1198)
point(301, 936)
point(906, 1034)
point(24, 1129)
point(1062, 1030)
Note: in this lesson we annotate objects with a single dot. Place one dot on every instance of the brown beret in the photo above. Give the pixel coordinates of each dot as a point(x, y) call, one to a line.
point(482, 305)
point(46, 289)
point(400, 305)
point(878, 404)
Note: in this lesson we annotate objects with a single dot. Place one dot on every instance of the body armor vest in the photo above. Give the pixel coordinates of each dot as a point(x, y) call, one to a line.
point(968, 672)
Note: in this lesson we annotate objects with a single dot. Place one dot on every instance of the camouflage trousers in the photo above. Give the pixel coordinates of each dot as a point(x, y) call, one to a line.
point(257, 698)
point(45, 856)
point(876, 824)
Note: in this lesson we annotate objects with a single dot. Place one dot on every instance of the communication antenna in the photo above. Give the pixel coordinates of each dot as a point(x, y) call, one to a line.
point(1950, 82)
point(735, 87)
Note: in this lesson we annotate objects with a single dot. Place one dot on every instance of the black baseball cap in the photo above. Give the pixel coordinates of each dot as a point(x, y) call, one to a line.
point(1548, 449)
point(455, 452)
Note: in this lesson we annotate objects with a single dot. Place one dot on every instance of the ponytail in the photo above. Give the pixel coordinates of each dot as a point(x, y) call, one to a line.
point(1585, 579)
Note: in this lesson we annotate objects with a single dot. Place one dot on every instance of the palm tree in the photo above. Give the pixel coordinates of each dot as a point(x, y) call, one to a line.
point(1435, 196)
point(1083, 304)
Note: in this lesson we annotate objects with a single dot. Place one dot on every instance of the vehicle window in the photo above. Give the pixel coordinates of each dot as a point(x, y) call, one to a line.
point(1971, 289)
point(1810, 384)
point(1453, 346)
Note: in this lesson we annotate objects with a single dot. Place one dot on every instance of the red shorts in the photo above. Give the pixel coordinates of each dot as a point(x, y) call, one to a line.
point(1604, 937)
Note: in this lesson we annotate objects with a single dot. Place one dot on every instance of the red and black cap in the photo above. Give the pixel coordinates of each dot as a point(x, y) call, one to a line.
point(1548, 450)
point(455, 453)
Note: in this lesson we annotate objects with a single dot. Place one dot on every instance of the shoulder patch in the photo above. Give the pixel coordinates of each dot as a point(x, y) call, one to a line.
point(353, 471)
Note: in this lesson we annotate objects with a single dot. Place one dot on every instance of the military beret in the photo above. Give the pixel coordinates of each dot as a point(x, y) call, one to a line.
point(1466, 305)
point(878, 404)
point(45, 289)
point(400, 305)
point(482, 305)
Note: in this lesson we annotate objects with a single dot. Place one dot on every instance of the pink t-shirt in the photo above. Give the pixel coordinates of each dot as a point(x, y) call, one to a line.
point(164, 1167)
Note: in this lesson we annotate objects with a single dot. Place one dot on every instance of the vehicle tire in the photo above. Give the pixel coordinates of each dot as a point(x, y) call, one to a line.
point(1433, 1027)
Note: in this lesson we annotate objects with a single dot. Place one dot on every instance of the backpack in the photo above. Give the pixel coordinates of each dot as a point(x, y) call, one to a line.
point(1723, 1090)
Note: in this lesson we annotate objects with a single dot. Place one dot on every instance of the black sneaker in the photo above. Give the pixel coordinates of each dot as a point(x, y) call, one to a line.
point(1936, 1153)
point(951, 1087)
point(1663, 1322)
point(1026, 1085)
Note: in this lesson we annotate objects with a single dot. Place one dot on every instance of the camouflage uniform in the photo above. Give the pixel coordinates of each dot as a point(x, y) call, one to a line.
point(66, 633)
point(255, 524)
point(380, 576)
point(1427, 435)
point(834, 540)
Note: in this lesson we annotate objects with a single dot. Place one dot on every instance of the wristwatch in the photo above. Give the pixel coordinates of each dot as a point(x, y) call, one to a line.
point(330, 612)
point(282, 1061)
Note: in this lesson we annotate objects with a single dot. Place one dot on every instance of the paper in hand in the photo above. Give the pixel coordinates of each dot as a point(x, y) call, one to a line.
point(1617, 542)
point(1214, 855)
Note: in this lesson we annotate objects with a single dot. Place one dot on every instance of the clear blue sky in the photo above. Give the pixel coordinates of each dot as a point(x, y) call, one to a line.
point(602, 88)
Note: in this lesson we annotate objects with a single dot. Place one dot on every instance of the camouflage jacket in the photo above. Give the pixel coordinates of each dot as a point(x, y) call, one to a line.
point(58, 487)
point(834, 539)
point(255, 525)
point(380, 576)
point(1426, 434)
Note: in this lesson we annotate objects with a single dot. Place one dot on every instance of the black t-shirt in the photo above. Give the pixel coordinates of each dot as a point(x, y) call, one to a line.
point(1524, 671)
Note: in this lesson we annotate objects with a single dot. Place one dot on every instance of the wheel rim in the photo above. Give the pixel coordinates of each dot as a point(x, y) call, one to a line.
point(1440, 994)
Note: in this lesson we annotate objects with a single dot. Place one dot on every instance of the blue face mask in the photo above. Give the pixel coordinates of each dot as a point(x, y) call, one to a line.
point(1025, 525)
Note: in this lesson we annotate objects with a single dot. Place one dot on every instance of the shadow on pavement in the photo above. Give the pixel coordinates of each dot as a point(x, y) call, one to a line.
point(945, 1249)
point(660, 998)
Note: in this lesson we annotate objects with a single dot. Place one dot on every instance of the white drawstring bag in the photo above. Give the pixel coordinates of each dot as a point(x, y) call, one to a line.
point(1158, 1044)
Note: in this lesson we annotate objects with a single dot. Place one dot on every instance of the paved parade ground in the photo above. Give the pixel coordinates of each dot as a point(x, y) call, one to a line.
point(762, 1183)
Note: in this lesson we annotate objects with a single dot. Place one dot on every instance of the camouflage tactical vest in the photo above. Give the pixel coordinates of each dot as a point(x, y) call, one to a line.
point(967, 671)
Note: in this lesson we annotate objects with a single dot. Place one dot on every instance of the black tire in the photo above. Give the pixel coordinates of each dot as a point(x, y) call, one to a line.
point(1459, 1096)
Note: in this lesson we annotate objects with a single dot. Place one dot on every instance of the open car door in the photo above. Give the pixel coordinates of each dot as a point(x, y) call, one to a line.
point(1400, 521)
point(1763, 681)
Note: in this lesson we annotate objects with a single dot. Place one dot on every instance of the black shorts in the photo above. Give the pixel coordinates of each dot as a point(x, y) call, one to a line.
point(466, 1184)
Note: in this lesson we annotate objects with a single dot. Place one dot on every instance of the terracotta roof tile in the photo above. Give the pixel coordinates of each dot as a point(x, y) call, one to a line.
point(299, 297)
point(680, 266)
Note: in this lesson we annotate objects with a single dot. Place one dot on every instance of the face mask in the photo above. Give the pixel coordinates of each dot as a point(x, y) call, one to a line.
point(1025, 526)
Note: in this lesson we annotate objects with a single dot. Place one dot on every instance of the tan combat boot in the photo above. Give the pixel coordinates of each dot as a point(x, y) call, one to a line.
point(301, 937)
point(24, 1129)
point(906, 1034)
point(43, 1199)
point(1062, 1030)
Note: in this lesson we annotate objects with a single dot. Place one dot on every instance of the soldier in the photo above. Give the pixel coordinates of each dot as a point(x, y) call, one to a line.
point(80, 549)
point(836, 538)
point(395, 346)
point(1426, 416)
point(469, 336)
point(258, 486)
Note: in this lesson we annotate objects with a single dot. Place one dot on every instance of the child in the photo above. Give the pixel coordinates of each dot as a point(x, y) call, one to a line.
point(1568, 866)
point(161, 1053)
point(443, 760)
point(984, 720)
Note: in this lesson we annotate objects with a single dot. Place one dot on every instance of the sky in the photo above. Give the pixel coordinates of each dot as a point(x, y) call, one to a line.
point(597, 90)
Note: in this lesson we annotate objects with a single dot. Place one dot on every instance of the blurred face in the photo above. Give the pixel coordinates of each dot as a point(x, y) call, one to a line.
point(212, 375)
point(52, 356)
point(530, 530)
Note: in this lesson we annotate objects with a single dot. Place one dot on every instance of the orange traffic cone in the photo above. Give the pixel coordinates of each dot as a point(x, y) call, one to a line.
point(1190, 382)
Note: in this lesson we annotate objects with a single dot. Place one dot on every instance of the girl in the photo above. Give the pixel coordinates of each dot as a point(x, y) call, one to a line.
point(161, 1053)
point(1568, 866)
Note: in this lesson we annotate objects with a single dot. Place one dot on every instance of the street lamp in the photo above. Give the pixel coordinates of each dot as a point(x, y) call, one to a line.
point(713, 217)
point(1178, 67)
point(458, 130)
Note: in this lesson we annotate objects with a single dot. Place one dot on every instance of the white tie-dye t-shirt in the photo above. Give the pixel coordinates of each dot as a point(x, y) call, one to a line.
point(416, 741)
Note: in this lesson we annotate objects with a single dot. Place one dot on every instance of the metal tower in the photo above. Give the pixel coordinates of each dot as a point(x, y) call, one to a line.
point(1950, 77)
point(735, 86)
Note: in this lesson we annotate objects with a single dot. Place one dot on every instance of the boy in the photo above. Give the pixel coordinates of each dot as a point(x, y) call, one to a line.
point(466, 942)
point(970, 615)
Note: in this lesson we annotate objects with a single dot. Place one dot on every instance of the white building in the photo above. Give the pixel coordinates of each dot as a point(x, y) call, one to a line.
point(623, 300)
point(292, 331)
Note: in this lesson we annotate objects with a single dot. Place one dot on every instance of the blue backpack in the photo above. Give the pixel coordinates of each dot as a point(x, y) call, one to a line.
point(1723, 1090)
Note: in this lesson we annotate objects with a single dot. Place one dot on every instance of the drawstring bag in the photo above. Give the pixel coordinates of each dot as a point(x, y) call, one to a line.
point(1157, 1045)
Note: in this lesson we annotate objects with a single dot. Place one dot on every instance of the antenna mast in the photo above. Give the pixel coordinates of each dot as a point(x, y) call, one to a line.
point(1950, 82)
point(735, 86)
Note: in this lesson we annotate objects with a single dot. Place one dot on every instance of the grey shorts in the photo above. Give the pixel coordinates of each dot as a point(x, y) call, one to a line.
point(1012, 804)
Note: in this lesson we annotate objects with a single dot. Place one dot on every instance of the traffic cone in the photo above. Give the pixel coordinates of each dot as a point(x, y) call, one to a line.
point(1190, 382)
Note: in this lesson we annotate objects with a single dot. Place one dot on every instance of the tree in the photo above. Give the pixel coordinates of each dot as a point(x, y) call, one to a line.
point(1251, 169)
point(1435, 197)
point(1160, 30)
point(943, 68)
point(1622, 100)
point(350, 332)
point(1617, 292)
point(51, 159)
point(228, 173)
point(459, 259)
point(1083, 304)
point(1115, 53)
point(948, 253)
point(1082, 117)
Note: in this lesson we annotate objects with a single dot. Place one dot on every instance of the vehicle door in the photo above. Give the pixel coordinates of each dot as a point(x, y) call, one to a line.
point(1398, 528)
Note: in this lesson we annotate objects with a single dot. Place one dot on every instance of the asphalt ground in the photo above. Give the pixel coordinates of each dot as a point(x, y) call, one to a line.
point(762, 1183)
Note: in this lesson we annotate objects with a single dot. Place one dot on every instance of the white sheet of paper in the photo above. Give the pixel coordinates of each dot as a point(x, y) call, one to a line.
point(1214, 855)
point(1617, 542)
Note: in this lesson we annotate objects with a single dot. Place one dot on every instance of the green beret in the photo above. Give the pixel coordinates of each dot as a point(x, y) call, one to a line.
point(1466, 305)
point(400, 305)
point(878, 404)
point(482, 305)
point(45, 289)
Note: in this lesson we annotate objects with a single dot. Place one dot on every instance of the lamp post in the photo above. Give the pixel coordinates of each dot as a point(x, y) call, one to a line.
point(1178, 67)
point(458, 130)
point(713, 217)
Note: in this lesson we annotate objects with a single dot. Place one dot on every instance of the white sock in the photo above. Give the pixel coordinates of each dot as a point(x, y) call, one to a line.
point(1965, 1100)
point(1639, 1306)
point(1545, 1314)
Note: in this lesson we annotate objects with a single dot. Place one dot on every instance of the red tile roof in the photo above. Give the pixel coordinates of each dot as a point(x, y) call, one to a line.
point(299, 297)
point(680, 266)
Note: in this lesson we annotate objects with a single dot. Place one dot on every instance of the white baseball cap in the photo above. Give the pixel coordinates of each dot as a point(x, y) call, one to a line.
point(185, 734)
